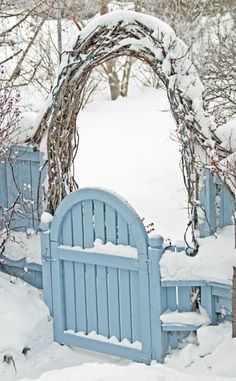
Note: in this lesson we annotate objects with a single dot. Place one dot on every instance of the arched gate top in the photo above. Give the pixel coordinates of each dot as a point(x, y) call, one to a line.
point(108, 198)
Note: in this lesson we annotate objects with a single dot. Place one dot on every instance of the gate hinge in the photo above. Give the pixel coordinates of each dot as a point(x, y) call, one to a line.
point(47, 258)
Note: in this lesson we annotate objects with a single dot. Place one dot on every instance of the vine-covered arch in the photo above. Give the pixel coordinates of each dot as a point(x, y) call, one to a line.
point(148, 39)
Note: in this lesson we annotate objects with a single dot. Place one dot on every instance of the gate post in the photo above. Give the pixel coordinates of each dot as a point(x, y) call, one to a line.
point(234, 303)
point(155, 251)
point(46, 265)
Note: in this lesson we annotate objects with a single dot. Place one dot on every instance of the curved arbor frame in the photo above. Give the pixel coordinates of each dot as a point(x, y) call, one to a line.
point(150, 40)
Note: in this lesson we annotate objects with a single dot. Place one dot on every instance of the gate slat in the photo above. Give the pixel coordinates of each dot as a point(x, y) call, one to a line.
point(69, 276)
point(91, 298)
point(131, 238)
point(77, 225)
point(135, 305)
point(123, 232)
point(171, 298)
point(111, 226)
point(88, 223)
point(69, 295)
point(125, 313)
point(99, 220)
point(113, 300)
point(80, 292)
point(184, 299)
point(102, 300)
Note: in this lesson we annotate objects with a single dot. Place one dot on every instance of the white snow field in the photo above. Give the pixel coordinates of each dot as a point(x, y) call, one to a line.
point(125, 146)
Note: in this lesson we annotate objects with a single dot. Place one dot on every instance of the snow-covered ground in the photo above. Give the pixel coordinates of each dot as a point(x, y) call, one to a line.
point(29, 353)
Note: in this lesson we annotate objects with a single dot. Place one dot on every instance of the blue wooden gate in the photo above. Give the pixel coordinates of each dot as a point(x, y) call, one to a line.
point(99, 300)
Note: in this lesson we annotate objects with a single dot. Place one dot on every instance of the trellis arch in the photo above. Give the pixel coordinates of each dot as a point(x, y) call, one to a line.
point(148, 39)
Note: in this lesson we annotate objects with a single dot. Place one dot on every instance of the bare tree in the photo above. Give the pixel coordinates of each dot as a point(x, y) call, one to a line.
point(218, 71)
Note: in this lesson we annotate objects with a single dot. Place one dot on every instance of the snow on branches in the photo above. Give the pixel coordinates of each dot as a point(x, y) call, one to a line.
point(154, 42)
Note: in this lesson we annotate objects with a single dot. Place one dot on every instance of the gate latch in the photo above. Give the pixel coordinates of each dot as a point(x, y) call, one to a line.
point(47, 258)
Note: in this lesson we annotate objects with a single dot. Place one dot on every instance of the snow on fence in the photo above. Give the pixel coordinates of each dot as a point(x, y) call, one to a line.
point(22, 176)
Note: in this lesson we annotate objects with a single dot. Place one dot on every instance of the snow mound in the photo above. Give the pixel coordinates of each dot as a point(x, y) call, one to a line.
point(212, 353)
point(25, 322)
point(191, 318)
point(132, 372)
point(21, 245)
point(214, 261)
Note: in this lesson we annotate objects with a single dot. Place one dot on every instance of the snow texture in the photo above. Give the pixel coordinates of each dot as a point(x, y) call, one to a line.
point(107, 249)
point(214, 261)
point(24, 245)
point(25, 321)
point(112, 340)
point(182, 318)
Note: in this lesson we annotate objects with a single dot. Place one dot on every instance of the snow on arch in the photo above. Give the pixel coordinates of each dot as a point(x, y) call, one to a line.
point(109, 36)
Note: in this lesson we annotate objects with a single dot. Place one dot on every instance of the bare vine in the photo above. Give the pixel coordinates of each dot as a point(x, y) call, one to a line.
point(156, 44)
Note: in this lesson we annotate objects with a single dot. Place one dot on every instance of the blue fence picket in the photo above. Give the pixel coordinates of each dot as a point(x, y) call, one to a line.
point(91, 296)
point(47, 266)
point(99, 220)
point(134, 294)
point(114, 304)
point(88, 227)
point(68, 275)
point(102, 301)
point(171, 298)
point(111, 224)
point(122, 231)
point(77, 225)
point(184, 299)
point(81, 300)
point(125, 304)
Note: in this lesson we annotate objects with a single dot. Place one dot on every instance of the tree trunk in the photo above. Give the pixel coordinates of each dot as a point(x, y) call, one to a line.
point(129, 60)
point(138, 4)
point(103, 7)
point(113, 79)
point(110, 66)
point(126, 76)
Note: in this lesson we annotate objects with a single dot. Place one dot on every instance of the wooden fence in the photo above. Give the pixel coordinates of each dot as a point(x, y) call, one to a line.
point(217, 204)
point(112, 295)
point(22, 174)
